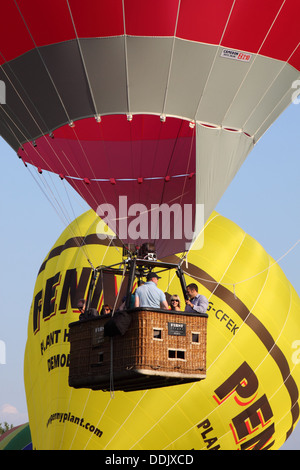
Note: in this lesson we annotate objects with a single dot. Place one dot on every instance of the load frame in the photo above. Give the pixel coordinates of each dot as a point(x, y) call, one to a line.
point(158, 347)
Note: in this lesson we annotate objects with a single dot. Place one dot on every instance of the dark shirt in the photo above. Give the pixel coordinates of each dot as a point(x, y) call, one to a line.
point(90, 313)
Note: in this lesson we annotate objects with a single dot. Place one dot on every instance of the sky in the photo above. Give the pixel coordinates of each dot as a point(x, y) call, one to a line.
point(263, 199)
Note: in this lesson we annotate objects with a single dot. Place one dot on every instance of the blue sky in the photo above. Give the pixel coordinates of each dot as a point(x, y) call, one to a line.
point(263, 199)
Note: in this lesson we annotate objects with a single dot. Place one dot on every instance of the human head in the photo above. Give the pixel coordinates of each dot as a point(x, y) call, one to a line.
point(192, 290)
point(153, 277)
point(81, 305)
point(106, 309)
point(175, 301)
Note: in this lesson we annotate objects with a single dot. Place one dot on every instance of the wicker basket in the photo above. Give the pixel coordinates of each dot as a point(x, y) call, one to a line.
point(160, 348)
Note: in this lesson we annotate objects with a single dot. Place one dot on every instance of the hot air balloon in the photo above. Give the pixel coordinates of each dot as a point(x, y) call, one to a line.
point(156, 102)
point(250, 397)
point(147, 109)
point(17, 438)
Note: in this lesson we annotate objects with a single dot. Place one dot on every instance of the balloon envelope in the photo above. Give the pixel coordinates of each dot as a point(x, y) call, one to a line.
point(146, 71)
point(17, 438)
point(250, 398)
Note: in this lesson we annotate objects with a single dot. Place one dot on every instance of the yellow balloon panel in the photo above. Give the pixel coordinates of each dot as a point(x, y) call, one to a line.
point(250, 396)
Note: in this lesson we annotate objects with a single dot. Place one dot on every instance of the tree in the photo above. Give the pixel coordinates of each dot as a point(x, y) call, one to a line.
point(5, 427)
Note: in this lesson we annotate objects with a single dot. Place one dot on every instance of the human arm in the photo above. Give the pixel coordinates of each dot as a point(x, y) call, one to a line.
point(200, 304)
point(163, 301)
point(164, 304)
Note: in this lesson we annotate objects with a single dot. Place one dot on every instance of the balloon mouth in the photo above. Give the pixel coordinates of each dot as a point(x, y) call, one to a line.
point(56, 151)
point(147, 129)
point(147, 161)
point(149, 158)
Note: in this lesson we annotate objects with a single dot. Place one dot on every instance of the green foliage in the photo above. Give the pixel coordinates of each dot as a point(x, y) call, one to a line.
point(5, 427)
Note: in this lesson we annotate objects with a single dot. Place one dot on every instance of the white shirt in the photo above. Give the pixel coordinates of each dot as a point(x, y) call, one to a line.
point(200, 304)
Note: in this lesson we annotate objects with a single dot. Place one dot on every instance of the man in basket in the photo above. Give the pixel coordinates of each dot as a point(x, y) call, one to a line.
point(196, 303)
point(149, 295)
